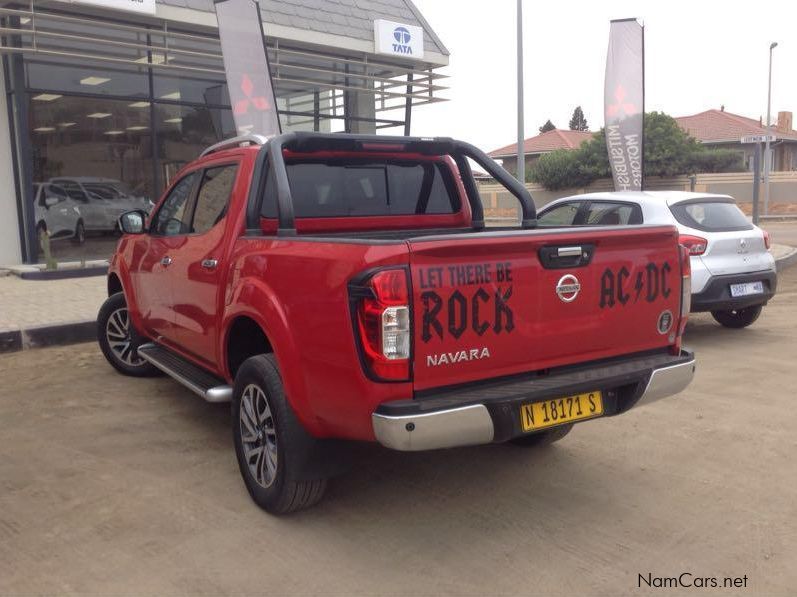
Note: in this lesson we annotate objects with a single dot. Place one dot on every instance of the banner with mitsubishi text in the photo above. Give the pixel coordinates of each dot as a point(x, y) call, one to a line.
point(243, 47)
point(624, 103)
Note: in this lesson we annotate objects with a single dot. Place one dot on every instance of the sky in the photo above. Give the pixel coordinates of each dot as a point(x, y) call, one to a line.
point(698, 55)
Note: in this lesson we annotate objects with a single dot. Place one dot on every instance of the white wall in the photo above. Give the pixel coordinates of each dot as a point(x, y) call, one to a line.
point(10, 252)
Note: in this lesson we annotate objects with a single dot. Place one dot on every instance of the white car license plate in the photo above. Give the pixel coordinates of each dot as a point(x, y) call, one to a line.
point(747, 288)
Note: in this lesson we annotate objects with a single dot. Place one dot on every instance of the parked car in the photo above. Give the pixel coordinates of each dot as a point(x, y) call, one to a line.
point(56, 213)
point(101, 200)
point(343, 287)
point(733, 272)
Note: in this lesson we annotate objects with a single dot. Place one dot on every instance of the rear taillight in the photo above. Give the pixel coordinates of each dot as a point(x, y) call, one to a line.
point(695, 244)
point(382, 309)
point(767, 241)
point(686, 295)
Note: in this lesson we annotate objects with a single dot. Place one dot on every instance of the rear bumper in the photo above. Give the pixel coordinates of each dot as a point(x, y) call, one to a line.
point(490, 412)
point(716, 295)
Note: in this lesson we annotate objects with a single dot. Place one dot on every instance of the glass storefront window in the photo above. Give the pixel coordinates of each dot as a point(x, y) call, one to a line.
point(99, 151)
point(67, 75)
point(183, 132)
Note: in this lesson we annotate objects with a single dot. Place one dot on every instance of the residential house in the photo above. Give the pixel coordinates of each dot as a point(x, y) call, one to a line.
point(534, 147)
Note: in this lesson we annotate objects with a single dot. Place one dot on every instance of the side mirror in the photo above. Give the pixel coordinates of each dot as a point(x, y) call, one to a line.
point(132, 222)
point(50, 201)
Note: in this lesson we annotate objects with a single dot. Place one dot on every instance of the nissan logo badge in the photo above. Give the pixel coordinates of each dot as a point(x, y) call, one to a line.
point(568, 288)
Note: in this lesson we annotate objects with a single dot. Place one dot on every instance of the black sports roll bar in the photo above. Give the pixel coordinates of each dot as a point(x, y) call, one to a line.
point(271, 162)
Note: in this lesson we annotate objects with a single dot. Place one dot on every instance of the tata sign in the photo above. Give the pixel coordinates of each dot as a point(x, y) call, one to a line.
point(146, 7)
point(398, 39)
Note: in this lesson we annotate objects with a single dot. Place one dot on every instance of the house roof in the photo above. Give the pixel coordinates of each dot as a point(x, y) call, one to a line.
point(345, 18)
point(714, 126)
point(545, 142)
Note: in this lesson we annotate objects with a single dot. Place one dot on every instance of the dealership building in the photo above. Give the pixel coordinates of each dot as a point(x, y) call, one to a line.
point(103, 101)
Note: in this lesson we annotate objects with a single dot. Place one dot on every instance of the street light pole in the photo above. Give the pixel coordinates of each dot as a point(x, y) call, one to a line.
point(521, 156)
point(767, 158)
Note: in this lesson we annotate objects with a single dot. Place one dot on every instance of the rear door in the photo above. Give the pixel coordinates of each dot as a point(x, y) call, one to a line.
point(734, 245)
point(198, 265)
point(93, 211)
point(494, 304)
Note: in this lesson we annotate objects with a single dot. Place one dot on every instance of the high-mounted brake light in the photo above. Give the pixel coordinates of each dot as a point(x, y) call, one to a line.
point(695, 244)
point(383, 321)
point(767, 240)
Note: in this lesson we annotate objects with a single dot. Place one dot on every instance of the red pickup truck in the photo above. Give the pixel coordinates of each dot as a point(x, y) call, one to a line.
point(340, 287)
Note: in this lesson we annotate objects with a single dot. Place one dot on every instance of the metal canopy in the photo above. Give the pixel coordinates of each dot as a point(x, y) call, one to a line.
point(299, 73)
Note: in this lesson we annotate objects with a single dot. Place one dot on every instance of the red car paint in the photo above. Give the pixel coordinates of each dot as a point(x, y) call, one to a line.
point(482, 305)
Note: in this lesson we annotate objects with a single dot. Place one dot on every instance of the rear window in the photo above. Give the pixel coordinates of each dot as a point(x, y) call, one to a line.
point(711, 216)
point(346, 188)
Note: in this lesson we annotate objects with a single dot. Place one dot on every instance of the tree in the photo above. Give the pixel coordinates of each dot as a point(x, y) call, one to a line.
point(548, 126)
point(669, 151)
point(578, 122)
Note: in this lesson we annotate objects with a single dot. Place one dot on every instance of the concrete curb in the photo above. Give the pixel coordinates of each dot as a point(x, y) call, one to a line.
point(86, 331)
point(48, 335)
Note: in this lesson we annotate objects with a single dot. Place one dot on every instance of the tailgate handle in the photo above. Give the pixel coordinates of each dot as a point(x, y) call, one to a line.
point(566, 256)
point(568, 251)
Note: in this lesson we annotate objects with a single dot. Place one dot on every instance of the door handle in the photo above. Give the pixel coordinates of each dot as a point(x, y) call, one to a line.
point(210, 263)
point(166, 261)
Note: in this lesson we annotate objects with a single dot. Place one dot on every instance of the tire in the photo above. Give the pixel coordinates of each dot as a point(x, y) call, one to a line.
point(265, 427)
point(542, 438)
point(738, 318)
point(119, 341)
point(80, 233)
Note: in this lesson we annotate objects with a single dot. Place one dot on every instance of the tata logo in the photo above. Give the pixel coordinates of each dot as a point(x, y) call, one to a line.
point(403, 38)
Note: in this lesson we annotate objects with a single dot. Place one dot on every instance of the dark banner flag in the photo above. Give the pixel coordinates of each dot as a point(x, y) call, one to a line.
point(243, 46)
point(624, 103)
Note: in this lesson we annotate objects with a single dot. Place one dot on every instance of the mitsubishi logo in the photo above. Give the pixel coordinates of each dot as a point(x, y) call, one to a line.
point(259, 102)
point(627, 109)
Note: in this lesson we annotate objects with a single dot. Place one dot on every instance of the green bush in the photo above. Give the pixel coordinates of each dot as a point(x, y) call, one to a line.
point(669, 151)
point(719, 160)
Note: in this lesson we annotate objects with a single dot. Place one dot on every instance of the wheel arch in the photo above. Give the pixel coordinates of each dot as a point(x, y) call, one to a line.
point(253, 303)
point(244, 338)
point(114, 284)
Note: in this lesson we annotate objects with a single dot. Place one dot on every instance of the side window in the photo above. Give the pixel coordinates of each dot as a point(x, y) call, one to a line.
point(613, 214)
point(73, 190)
point(561, 215)
point(171, 216)
point(214, 195)
point(52, 191)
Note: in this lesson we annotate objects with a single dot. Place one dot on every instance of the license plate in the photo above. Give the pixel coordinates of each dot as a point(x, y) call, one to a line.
point(557, 411)
point(747, 288)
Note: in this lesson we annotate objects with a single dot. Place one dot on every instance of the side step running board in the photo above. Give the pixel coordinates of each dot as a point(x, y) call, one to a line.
point(199, 381)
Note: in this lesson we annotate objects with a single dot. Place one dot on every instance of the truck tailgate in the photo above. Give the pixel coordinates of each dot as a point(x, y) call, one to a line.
point(499, 303)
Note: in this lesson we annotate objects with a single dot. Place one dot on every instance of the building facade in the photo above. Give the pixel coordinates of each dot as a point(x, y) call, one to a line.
point(722, 129)
point(103, 101)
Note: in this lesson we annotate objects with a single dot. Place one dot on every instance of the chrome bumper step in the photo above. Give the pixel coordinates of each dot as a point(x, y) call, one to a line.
point(199, 381)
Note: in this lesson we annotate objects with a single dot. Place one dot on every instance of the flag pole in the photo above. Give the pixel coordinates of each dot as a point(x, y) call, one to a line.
point(521, 156)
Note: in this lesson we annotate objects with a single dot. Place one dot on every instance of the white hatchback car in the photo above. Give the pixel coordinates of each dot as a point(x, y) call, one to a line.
point(733, 272)
point(56, 213)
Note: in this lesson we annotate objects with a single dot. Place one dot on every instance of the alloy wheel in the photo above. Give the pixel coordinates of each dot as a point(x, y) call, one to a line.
point(258, 435)
point(120, 338)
